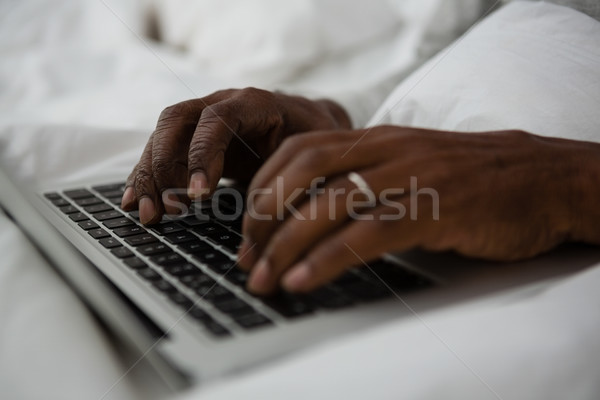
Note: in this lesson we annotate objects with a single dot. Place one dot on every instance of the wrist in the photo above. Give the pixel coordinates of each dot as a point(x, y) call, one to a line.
point(586, 193)
point(337, 113)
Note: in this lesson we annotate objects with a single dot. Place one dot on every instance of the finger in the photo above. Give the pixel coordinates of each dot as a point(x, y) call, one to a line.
point(292, 147)
point(248, 114)
point(146, 193)
point(356, 243)
point(265, 213)
point(169, 168)
point(316, 218)
point(336, 203)
point(129, 200)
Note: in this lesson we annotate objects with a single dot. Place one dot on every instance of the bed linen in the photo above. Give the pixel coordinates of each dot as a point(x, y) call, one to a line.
point(80, 94)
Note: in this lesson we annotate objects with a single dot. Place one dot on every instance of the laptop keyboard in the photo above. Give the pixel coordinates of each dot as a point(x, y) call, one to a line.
point(191, 262)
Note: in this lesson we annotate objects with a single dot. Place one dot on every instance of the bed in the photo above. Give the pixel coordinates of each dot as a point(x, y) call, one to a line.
point(82, 84)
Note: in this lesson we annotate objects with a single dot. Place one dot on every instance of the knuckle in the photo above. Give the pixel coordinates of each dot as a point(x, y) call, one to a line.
point(312, 158)
point(144, 183)
point(203, 150)
point(162, 173)
point(254, 93)
point(215, 112)
point(176, 110)
point(222, 94)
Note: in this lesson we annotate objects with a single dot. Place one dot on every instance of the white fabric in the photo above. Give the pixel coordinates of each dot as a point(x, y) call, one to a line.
point(534, 66)
point(67, 62)
point(81, 62)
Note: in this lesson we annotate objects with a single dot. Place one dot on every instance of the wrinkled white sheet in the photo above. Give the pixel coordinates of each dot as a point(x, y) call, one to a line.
point(67, 64)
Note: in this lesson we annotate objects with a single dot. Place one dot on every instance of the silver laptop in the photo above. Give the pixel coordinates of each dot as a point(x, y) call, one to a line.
point(173, 293)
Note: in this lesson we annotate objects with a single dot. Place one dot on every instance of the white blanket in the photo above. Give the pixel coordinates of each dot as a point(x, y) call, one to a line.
point(67, 64)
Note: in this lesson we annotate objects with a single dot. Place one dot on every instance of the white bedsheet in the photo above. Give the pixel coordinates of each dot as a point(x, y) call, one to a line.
point(78, 90)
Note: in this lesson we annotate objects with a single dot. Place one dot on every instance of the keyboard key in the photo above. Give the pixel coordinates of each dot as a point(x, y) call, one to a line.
point(191, 221)
point(221, 235)
point(77, 194)
point(115, 200)
point(197, 280)
point(149, 274)
point(104, 215)
point(181, 300)
point(288, 305)
point(209, 228)
point(129, 231)
point(211, 256)
point(113, 193)
point(69, 210)
point(199, 314)
point(167, 228)
point(253, 321)
point(98, 233)
point(167, 259)
point(215, 293)
point(117, 223)
point(154, 248)
point(232, 245)
point(134, 262)
point(216, 329)
point(235, 307)
point(87, 225)
point(121, 252)
point(223, 267)
point(52, 196)
point(60, 202)
point(109, 242)
point(197, 246)
point(108, 188)
point(181, 237)
point(135, 215)
point(237, 277)
point(89, 201)
point(183, 269)
point(231, 222)
point(78, 217)
point(164, 286)
point(138, 240)
point(329, 298)
point(97, 208)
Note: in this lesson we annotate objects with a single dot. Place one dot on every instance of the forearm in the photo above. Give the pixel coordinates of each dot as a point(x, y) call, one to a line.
point(585, 199)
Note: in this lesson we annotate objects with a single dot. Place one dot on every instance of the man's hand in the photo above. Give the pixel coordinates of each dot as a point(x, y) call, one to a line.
point(498, 195)
point(229, 133)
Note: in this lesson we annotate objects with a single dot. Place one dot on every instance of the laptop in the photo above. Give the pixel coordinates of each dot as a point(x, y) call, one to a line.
point(173, 294)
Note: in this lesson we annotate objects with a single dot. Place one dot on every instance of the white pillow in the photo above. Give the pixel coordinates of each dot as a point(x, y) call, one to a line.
point(532, 66)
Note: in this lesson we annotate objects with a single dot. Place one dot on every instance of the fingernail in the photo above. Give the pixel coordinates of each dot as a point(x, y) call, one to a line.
point(198, 185)
point(147, 210)
point(298, 277)
point(128, 197)
point(259, 278)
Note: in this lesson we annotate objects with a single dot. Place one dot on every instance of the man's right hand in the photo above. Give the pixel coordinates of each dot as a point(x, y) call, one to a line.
point(228, 133)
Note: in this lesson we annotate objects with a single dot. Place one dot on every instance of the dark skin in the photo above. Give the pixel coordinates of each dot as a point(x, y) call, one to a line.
point(504, 196)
